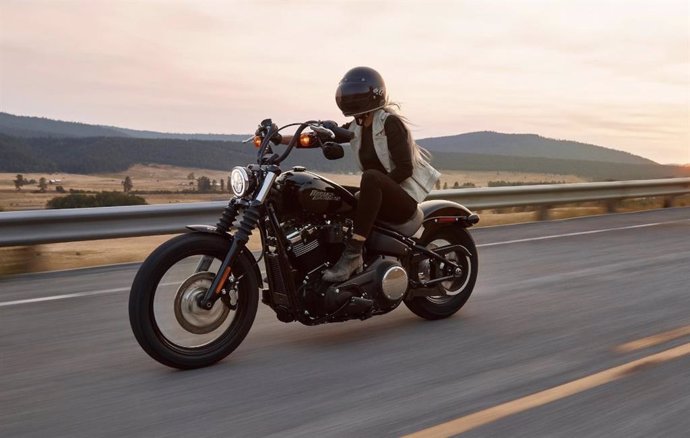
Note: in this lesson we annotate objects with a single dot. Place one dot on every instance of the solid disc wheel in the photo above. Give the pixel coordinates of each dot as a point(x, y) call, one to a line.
point(452, 294)
point(163, 310)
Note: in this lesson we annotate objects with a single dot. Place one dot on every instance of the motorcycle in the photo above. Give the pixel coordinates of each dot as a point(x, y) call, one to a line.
point(195, 297)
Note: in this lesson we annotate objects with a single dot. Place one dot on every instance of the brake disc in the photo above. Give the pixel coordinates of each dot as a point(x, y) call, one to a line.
point(189, 315)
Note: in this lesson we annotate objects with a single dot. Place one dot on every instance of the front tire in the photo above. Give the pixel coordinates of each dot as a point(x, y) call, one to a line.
point(453, 294)
point(162, 308)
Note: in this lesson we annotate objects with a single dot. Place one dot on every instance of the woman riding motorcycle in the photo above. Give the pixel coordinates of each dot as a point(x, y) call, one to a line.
point(396, 175)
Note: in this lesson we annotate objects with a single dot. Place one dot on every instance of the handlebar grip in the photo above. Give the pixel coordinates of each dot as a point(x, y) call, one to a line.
point(341, 134)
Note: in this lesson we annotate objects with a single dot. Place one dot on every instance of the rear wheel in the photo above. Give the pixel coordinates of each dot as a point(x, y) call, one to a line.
point(163, 310)
point(454, 293)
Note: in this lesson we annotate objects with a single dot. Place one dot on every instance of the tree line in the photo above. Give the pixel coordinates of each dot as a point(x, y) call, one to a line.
point(112, 154)
point(117, 154)
point(42, 184)
point(203, 183)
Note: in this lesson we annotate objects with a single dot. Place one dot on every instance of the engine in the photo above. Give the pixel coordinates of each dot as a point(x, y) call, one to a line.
point(314, 244)
point(380, 288)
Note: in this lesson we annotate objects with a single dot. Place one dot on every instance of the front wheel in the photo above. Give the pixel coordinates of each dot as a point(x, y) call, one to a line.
point(452, 294)
point(163, 310)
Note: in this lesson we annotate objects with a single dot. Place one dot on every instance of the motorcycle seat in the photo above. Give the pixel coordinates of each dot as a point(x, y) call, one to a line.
point(407, 228)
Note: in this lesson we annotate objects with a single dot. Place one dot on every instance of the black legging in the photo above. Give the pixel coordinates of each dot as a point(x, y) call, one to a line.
point(381, 198)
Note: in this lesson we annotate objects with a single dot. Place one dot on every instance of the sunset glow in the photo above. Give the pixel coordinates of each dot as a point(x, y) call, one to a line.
point(612, 73)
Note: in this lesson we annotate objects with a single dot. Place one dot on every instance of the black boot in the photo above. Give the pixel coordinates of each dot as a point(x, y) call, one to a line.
point(351, 261)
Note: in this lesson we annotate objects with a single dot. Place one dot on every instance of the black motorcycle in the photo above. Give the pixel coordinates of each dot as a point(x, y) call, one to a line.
point(195, 297)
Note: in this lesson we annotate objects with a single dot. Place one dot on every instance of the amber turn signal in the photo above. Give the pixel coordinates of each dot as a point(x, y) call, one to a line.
point(305, 140)
point(257, 141)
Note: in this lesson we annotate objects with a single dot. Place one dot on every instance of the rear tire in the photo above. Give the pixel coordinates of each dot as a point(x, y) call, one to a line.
point(150, 332)
point(445, 304)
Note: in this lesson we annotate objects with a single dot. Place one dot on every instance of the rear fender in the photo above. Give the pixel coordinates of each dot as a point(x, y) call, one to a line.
point(442, 211)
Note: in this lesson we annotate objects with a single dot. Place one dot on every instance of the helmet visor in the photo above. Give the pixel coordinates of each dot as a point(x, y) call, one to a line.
point(357, 98)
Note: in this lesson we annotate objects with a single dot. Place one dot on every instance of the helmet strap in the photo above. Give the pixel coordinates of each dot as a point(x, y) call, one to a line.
point(360, 117)
point(368, 111)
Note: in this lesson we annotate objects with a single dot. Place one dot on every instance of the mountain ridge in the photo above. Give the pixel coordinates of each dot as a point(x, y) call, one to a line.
point(528, 145)
point(44, 146)
point(32, 126)
point(478, 142)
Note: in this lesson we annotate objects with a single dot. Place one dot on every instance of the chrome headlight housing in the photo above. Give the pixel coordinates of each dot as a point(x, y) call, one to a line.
point(242, 181)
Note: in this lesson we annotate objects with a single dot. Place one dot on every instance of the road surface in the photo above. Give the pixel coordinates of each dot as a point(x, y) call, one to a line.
point(555, 341)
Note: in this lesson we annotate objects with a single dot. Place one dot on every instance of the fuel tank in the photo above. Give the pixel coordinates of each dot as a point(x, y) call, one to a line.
point(302, 192)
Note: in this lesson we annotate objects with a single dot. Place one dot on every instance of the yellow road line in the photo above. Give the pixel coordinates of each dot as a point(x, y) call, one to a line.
point(489, 415)
point(649, 341)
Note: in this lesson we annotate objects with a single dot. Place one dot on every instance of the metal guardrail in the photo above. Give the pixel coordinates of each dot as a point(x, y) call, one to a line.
point(554, 194)
point(51, 226)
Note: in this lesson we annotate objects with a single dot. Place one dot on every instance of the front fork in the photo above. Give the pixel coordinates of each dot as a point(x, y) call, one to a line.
point(250, 218)
point(247, 224)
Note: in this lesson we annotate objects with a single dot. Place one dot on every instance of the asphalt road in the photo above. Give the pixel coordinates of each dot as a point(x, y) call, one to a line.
point(531, 354)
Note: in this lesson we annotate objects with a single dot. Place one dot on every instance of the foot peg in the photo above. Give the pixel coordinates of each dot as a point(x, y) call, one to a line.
point(340, 300)
point(358, 305)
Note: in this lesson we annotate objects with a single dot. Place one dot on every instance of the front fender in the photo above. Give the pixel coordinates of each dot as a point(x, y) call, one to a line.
point(212, 230)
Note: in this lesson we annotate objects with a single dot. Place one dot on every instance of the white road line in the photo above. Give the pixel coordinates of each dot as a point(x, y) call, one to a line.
point(74, 295)
point(63, 297)
point(580, 233)
point(507, 242)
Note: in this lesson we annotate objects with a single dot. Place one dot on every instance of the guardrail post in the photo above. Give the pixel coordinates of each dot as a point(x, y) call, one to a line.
point(17, 259)
point(668, 201)
point(543, 212)
point(611, 205)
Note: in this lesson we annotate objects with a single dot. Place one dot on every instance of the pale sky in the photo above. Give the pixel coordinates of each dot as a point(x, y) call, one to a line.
point(610, 72)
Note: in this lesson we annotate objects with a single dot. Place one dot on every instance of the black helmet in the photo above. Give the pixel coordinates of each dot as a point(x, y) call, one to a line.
point(361, 90)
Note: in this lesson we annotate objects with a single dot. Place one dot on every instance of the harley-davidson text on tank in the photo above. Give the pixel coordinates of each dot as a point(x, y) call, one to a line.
point(318, 195)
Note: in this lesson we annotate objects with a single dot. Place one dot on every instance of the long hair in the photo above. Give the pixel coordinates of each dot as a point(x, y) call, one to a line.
point(419, 154)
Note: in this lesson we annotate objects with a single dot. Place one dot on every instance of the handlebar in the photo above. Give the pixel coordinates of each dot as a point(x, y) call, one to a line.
point(334, 132)
point(293, 142)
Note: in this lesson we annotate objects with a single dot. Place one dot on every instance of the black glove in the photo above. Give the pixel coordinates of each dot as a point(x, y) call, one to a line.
point(342, 135)
point(329, 124)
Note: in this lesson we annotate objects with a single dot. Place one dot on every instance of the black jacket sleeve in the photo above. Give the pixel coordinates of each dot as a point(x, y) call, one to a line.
point(399, 148)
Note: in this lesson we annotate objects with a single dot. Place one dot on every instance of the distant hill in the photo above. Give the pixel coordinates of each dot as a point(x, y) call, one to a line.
point(528, 145)
point(16, 155)
point(593, 170)
point(116, 154)
point(24, 126)
point(32, 144)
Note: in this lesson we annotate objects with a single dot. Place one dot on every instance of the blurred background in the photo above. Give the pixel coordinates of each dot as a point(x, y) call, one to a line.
point(579, 322)
point(611, 73)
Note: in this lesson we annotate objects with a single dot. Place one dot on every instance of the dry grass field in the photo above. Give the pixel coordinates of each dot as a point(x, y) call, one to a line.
point(148, 178)
point(145, 178)
point(169, 178)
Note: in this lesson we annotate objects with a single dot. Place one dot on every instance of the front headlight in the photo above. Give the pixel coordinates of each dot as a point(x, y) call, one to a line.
point(241, 181)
